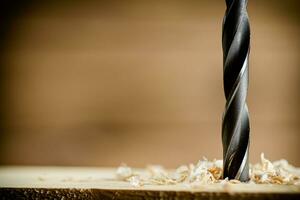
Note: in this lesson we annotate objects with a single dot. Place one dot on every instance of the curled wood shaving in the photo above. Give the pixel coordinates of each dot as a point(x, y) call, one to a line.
point(124, 172)
point(210, 172)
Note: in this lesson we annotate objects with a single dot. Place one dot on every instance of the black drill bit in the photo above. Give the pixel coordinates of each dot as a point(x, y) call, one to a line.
point(235, 126)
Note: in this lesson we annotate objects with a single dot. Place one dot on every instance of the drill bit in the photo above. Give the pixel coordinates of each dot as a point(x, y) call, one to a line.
point(235, 126)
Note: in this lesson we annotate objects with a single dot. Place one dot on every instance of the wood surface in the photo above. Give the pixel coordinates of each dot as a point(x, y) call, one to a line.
point(101, 183)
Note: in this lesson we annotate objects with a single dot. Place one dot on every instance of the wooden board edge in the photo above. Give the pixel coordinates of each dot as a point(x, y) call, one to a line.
point(107, 194)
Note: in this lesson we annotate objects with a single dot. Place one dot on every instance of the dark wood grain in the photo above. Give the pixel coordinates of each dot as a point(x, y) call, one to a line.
point(59, 193)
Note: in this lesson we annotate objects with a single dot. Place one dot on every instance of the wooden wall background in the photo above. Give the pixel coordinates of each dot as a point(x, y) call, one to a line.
point(105, 82)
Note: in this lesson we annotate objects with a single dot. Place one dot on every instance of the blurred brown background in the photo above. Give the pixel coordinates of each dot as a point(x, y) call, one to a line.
point(104, 82)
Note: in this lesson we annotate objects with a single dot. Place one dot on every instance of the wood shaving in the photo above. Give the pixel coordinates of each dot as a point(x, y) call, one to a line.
point(135, 181)
point(210, 172)
point(124, 172)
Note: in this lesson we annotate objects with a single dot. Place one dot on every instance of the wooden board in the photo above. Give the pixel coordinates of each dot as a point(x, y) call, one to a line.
point(101, 183)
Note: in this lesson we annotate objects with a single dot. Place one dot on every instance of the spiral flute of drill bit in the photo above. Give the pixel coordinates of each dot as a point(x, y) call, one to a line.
point(235, 126)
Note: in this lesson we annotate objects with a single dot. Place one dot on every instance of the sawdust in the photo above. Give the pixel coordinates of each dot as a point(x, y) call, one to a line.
point(210, 172)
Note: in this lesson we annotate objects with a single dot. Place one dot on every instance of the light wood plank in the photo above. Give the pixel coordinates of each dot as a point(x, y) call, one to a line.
point(101, 183)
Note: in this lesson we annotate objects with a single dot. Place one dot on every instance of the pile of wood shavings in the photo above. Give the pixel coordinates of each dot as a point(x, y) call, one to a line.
point(210, 172)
